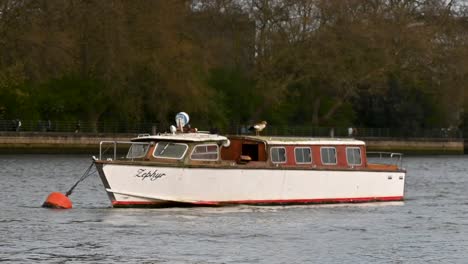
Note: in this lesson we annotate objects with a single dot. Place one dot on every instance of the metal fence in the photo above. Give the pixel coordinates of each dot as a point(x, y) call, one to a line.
point(271, 130)
point(76, 127)
point(310, 131)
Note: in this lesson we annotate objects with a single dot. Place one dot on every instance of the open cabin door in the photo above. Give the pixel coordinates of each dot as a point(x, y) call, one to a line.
point(241, 148)
point(251, 151)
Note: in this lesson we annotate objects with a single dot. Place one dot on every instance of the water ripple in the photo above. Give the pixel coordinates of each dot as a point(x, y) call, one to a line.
point(428, 227)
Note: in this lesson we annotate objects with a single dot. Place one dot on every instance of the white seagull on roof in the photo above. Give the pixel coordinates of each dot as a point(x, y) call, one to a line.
point(258, 127)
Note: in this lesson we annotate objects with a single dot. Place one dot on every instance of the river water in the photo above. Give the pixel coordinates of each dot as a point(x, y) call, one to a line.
point(430, 226)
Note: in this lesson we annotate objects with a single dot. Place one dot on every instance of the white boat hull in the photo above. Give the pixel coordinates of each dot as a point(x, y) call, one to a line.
point(136, 185)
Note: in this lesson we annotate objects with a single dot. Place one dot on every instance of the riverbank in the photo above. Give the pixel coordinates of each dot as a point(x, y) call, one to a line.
point(88, 143)
point(56, 142)
point(422, 146)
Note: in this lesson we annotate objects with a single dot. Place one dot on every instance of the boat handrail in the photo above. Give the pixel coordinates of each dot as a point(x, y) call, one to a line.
point(391, 155)
point(114, 144)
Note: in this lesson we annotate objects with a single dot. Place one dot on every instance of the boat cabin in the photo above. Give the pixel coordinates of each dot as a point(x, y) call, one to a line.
point(249, 151)
point(296, 152)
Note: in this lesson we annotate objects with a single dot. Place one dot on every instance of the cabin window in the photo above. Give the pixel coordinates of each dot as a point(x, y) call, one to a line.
point(205, 152)
point(170, 150)
point(353, 156)
point(137, 150)
point(328, 155)
point(278, 155)
point(303, 155)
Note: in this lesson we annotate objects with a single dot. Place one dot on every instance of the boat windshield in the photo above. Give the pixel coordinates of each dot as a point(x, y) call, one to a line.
point(137, 150)
point(170, 150)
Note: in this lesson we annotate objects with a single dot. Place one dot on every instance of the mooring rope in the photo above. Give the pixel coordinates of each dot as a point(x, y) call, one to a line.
point(85, 175)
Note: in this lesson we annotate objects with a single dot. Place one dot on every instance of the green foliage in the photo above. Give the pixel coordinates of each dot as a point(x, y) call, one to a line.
point(13, 94)
point(314, 63)
point(71, 98)
point(403, 105)
point(236, 97)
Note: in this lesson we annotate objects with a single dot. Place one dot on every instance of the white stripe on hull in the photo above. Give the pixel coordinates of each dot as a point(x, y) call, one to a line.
point(149, 183)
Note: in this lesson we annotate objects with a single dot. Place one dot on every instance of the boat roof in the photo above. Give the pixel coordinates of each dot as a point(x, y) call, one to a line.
point(205, 137)
point(304, 140)
point(190, 137)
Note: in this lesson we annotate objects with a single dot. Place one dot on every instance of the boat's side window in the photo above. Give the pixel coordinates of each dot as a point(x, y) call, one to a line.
point(353, 156)
point(137, 150)
point(328, 155)
point(205, 152)
point(170, 150)
point(278, 154)
point(303, 155)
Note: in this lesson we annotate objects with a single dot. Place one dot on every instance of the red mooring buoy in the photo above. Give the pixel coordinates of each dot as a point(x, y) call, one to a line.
point(57, 200)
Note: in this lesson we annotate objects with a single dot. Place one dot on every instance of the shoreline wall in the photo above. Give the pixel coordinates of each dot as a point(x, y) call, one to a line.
point(55, 143)
point(426, 146)
point(88, 143)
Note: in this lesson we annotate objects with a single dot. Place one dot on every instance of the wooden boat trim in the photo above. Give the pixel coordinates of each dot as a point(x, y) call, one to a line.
point(235, 166)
